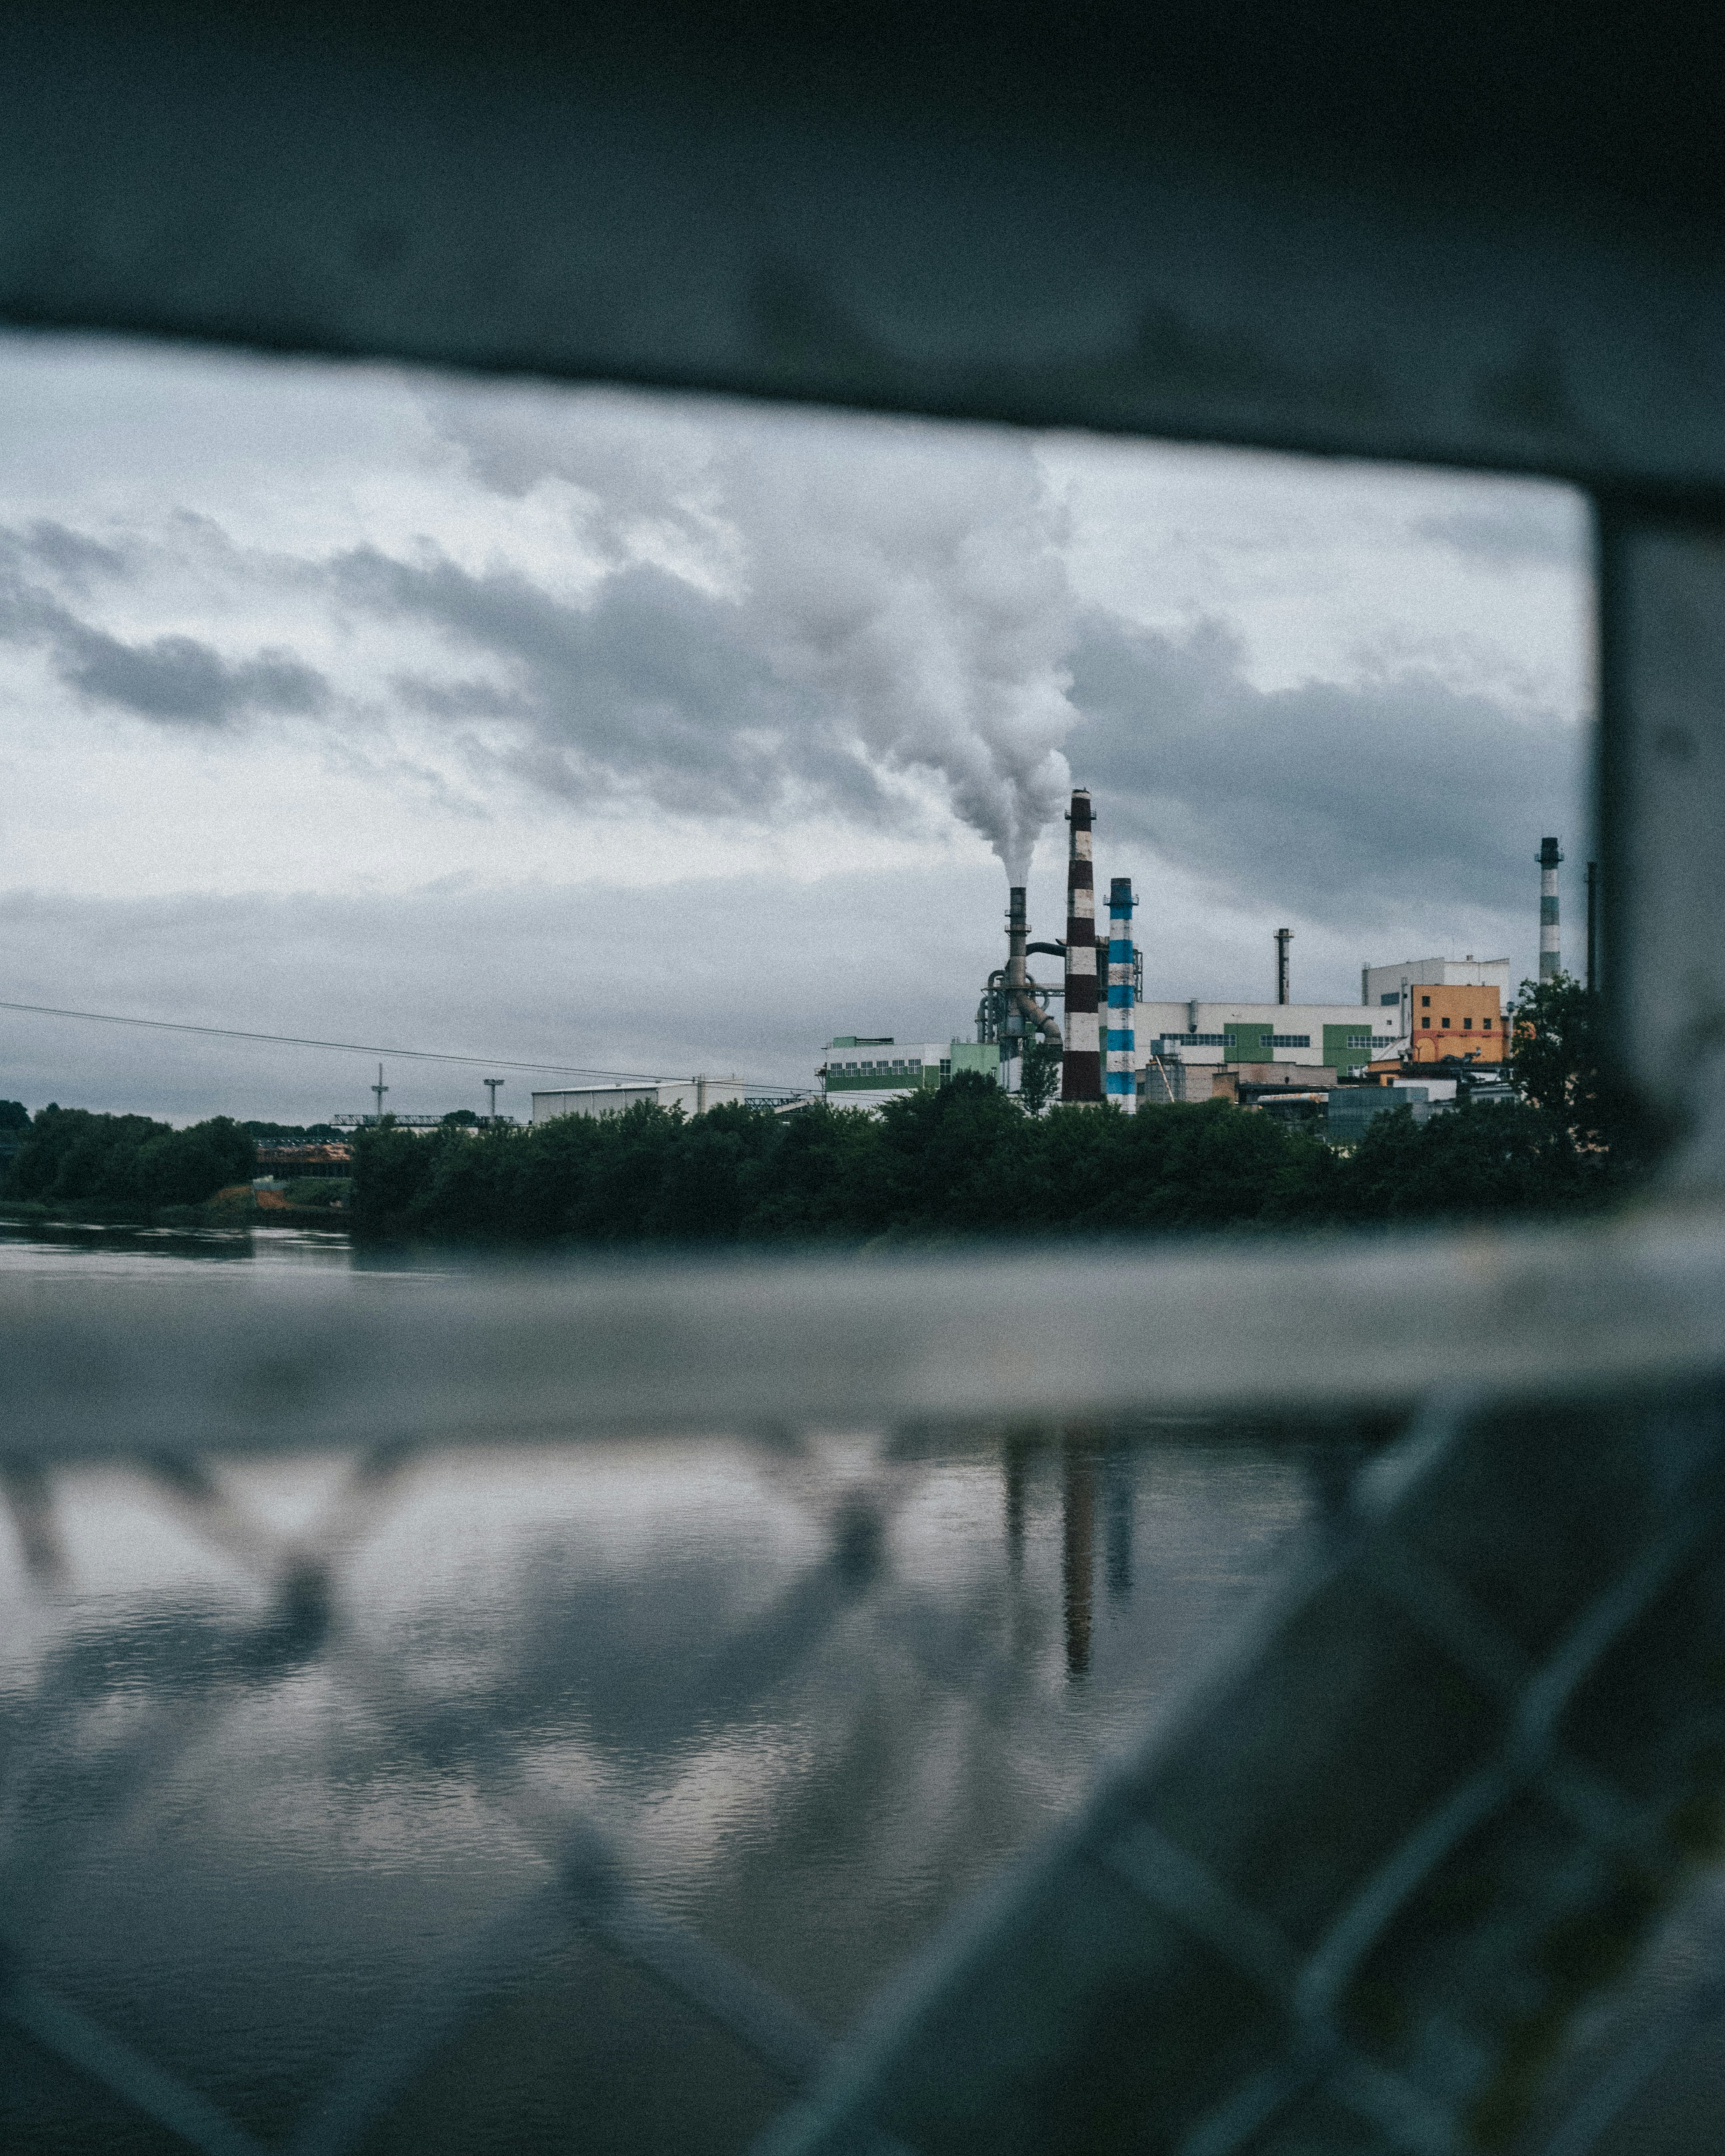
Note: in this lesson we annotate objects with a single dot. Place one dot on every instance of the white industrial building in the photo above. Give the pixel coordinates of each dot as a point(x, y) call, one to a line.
point(1339, 1037)
point(1381, 986)
point(693, 1096)
point(860, 1071)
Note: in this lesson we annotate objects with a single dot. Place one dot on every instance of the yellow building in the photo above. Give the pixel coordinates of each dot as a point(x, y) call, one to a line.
point(1467, 1022)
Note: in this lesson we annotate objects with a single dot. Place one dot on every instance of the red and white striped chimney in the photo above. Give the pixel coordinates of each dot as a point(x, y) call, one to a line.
point(1081, 1064)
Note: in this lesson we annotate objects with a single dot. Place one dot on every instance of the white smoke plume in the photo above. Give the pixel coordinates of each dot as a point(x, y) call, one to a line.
point(907, 581)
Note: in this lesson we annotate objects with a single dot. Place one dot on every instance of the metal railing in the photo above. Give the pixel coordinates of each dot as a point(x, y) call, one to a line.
point(1360, 1887)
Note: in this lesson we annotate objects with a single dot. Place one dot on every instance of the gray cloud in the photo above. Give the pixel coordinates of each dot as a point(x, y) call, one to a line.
point(1541, 527)
point(651, 686)
point(181, 682)
point(1329, 799)
point(176, 680)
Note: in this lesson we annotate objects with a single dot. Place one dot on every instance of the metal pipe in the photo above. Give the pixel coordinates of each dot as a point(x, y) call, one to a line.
point(1081, 1064)
point(1551, 950)
point(1019, 1002)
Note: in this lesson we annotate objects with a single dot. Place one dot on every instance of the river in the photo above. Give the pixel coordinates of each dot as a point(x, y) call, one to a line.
point(811, 1697)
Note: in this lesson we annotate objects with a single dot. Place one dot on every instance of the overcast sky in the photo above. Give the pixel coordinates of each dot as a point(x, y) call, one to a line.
point(660, 734)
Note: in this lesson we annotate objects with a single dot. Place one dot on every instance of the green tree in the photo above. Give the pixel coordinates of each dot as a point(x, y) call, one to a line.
point(14, 1115)
point(1469, 1162)
point(1040, 1074)
point(127, 1163)
point(1562, 1060)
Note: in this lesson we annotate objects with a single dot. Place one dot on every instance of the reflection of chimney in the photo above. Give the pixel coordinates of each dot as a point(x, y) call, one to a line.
point(1122, 1043)
point(1081, 1066)
point(1551, 949)
point(1117, 1492)
point(1077, 1545)
point(1014, 1463)
point(1284, 937)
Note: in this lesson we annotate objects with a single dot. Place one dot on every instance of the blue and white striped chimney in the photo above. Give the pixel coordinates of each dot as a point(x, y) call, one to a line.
point(1120, 1043)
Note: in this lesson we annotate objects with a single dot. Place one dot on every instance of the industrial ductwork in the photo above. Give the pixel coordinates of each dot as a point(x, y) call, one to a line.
point(1020, 1003)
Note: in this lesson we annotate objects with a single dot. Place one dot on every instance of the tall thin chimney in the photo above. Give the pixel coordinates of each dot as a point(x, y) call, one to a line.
point(1023, 1017)
point(1122, 1045)
point(1284, 937)
point(1081, 1064)
point(1551, 949)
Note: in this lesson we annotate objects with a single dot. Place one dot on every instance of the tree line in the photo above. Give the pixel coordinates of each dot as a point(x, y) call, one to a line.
point(129, 1165)
point(966, 1161)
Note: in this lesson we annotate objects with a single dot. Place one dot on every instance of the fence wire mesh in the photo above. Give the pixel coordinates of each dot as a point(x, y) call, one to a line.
point(556, 1845)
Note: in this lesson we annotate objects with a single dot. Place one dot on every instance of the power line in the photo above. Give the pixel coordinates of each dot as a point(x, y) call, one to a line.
point(351, 1047)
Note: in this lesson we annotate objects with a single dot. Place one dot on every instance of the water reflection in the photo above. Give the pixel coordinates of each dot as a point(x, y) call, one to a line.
point(813, 1696)
point(72, 1248)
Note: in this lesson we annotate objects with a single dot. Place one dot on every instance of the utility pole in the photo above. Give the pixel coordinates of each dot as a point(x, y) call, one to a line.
point(380, 1089)
point(490, 1086)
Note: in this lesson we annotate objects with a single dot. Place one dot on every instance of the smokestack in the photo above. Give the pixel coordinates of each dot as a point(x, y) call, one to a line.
point(1551, 949)
point(1121, 1051)
point(1081, 1066)
point(1022, 1014)
point(1284, 937)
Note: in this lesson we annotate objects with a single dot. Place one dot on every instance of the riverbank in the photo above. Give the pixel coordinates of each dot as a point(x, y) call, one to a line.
point(238, 1206)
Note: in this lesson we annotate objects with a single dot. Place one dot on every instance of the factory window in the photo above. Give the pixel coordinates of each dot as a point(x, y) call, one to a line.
point(1290, 1040)
point(1467, 1025)
point(1394, 996)
point(1426, 1001)
point(1487, 1023)
point(1426, 1022)
point(1446, 1023)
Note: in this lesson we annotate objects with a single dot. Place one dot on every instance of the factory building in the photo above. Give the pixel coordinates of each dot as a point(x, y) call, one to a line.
point(867, 1071)
point(1464, 1022)
point(1444, 1006)
point(693, 1096)
point(1308, 1044)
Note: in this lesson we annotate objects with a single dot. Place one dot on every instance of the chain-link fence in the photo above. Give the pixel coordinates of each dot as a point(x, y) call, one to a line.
point(687, 1766)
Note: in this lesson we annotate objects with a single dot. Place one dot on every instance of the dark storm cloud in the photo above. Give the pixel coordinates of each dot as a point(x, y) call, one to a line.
point(651, 684)
point(175, 681)
point(1325, 798)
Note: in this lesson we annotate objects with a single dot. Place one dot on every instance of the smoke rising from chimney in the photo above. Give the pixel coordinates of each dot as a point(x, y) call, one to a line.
point(908, 581)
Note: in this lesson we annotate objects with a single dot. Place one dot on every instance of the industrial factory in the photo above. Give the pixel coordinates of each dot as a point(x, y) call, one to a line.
point(1441, 1021)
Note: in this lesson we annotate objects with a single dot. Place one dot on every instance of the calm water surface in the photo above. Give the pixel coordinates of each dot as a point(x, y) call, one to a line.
point(810, 1697)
